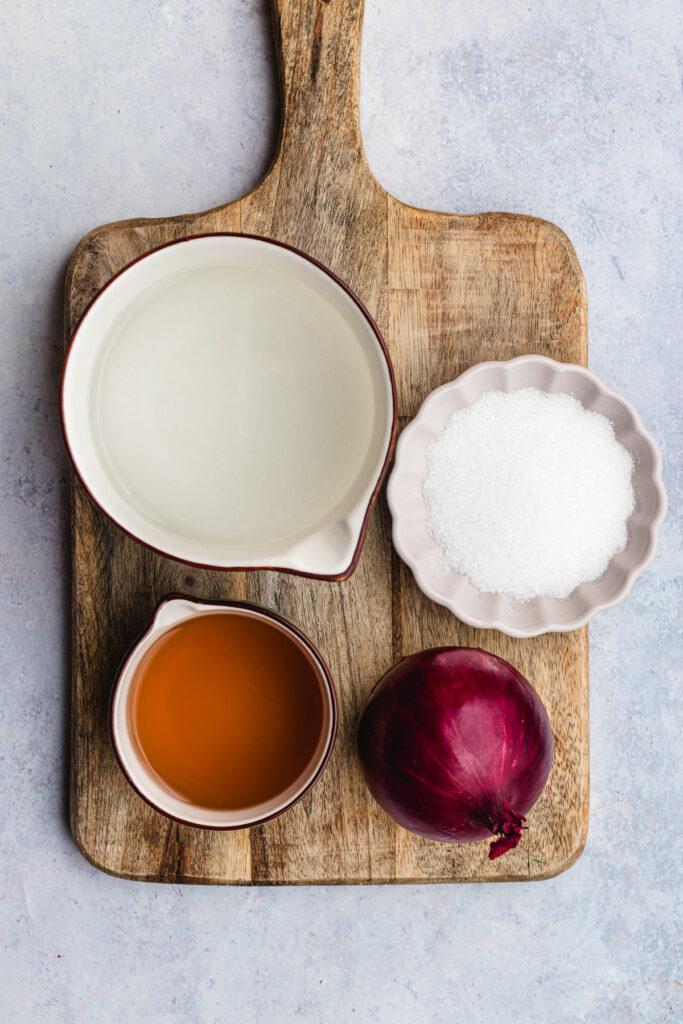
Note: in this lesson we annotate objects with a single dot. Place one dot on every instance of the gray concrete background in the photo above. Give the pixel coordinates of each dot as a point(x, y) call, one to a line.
point(568, 111)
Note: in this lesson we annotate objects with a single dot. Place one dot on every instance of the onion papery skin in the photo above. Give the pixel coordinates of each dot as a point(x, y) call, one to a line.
point(456, 746)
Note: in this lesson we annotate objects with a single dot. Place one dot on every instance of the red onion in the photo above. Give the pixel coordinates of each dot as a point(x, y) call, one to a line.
point(456, 746)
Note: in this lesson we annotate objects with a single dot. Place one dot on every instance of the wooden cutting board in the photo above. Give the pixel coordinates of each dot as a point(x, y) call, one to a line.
point(447, 291)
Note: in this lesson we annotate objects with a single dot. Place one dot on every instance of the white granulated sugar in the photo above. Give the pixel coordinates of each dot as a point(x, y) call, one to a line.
point(528, 493)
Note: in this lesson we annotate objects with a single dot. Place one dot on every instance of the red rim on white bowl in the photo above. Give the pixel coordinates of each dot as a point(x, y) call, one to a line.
point(229, 402)
point(500, 611)
point(171, 611)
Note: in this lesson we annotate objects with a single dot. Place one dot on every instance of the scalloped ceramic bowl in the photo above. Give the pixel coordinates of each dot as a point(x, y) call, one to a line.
point(229, 402)
point(500, 611)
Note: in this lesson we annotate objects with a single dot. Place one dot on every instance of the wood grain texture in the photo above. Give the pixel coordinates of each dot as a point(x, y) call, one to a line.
point(447, 291)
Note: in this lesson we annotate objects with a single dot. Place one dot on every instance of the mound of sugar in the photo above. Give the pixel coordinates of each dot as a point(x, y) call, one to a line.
point(528, 493)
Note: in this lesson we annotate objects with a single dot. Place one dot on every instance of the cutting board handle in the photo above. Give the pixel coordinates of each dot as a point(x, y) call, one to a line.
point(317, 43)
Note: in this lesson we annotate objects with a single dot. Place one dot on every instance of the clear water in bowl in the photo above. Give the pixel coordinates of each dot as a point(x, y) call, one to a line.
point(234, 402)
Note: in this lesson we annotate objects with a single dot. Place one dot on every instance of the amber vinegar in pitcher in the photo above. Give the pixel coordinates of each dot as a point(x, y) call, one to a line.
point(227, 710)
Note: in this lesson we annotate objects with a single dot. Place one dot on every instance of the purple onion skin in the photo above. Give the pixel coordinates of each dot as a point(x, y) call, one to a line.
point(456, 746)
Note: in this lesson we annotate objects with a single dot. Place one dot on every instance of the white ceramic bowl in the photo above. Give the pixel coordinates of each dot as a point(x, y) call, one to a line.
point(454, 590)
point(171, 612)
point(229, 402)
